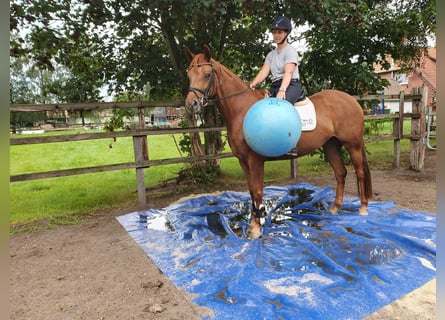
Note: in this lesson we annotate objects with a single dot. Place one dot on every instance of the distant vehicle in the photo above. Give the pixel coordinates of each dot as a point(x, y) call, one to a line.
point(162, 124)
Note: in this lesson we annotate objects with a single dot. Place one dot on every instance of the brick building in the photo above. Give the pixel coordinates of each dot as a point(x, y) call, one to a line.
point(422, 76)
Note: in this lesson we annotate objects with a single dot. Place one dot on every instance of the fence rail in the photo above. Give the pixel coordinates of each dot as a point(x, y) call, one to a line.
point(93, 106)
point(142, 161)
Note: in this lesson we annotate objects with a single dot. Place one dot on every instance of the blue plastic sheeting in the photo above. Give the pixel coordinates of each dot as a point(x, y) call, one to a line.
point(308, 264)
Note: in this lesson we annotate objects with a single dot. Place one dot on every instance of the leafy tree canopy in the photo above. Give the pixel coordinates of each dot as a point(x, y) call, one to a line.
point(347, 37)
point(128, 44)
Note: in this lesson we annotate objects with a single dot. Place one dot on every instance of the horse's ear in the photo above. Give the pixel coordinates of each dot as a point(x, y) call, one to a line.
point(207, 53)
point(189, 54)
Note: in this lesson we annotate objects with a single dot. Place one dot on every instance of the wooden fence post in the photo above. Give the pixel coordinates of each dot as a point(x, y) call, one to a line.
point(140, 154)
point(398, 131)
point(417, 143)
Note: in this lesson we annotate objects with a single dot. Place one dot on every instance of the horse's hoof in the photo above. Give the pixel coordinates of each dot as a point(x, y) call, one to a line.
point(253, 232)
point(334, 211)
point(363, 212)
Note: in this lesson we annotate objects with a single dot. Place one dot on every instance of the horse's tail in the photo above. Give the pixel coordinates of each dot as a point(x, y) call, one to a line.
point(368, 183)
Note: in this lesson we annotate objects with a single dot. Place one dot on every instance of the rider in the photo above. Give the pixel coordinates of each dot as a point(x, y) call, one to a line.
point(282, 62)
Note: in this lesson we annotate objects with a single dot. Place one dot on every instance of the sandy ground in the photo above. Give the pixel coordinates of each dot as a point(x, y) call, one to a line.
point(94, 270)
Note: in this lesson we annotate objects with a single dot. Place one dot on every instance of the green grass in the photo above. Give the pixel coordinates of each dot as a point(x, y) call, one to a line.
point(68, 196)
point(67, 199)
point(384, 126)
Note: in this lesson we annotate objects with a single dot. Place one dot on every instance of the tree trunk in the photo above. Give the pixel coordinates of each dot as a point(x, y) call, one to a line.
point(213, 140)
point(195, 140)
point(82, 115)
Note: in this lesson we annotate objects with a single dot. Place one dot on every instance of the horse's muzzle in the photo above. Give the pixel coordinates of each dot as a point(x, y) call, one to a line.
point(197, 103)
point(195, 106)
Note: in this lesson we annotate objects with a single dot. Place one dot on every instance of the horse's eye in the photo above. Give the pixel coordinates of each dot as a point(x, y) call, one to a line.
point(207, 76)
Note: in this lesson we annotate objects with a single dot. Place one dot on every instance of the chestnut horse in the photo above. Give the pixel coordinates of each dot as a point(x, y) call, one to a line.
point(340, 122)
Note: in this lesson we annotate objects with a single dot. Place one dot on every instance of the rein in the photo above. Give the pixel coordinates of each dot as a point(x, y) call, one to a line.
point(231, 95)
point(205, 98)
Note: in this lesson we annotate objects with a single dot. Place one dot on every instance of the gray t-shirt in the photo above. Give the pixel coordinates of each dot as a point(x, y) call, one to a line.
point(278, 59)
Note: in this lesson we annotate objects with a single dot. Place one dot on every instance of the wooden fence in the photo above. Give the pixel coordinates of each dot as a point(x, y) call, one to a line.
point(140, 147)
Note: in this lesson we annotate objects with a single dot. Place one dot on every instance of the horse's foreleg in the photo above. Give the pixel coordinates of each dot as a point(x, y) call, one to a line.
point(332, 151)
point(253, 231)
point(254, 172)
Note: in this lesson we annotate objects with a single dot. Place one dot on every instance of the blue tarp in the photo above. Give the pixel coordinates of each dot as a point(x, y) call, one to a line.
point(308, 264)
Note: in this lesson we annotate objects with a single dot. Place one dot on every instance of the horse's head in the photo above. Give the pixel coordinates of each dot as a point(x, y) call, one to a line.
point(201, 76)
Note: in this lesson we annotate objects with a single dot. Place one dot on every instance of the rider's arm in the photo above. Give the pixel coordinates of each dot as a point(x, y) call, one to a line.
point(261, 76)
point(289, 69)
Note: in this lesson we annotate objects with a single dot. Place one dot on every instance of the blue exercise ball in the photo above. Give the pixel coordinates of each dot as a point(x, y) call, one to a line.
point(272, 127)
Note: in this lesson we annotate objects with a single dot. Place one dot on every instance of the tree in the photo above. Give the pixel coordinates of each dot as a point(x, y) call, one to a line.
point(23, 83)
point(127, 44)
point(346, 38)
point(29, 84)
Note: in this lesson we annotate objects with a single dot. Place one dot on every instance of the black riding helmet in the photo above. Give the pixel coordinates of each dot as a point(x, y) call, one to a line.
point(282, 23)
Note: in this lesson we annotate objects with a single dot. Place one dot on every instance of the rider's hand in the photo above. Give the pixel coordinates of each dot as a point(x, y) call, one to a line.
point(281, 95)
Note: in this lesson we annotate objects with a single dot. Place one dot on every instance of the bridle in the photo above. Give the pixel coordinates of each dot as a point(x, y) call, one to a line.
point(204, 100)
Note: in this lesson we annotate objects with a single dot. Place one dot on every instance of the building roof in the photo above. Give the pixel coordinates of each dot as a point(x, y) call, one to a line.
point(394, 87)
point(427, 72)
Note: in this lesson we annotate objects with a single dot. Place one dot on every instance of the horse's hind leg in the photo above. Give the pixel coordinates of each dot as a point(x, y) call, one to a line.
point(364, 186)
point(332, 152)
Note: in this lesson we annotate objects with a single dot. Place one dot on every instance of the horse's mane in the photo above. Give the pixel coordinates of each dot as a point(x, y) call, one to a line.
point(260, 93)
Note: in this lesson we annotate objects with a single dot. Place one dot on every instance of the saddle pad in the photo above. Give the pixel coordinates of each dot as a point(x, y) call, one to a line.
point(307, 114)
